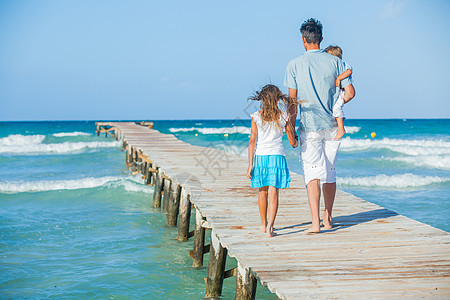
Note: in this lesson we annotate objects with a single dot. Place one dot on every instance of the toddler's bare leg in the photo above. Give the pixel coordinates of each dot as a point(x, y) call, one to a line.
point(341, 128)
point(262, 203)
point(273, 208)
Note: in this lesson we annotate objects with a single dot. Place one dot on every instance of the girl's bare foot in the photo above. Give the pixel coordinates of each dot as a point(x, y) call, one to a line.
point(270, 232)
point(339, 134)
point(262, 227)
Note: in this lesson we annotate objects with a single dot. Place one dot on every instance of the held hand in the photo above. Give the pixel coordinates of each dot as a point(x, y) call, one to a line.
point(249, 172)
point(338, 83)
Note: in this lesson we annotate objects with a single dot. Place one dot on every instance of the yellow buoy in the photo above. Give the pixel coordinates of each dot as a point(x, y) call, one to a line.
point(196, 134)
point(373, 134)
point(225, 135)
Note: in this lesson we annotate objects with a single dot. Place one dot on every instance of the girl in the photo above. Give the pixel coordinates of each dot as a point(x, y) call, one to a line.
point(267, 166)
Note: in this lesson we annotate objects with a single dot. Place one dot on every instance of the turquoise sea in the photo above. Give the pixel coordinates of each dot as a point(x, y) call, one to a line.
point(74, 223)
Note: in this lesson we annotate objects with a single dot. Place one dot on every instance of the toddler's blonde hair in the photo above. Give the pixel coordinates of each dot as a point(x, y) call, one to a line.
point(334, 50)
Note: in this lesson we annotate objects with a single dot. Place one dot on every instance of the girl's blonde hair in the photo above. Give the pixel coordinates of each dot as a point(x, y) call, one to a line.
point(273, 103)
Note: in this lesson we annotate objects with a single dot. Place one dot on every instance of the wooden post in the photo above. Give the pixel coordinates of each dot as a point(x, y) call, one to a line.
point(185, 216)
point(199, 241)
point(245, 284)
point(174, 205)
point(130, 155)
point(216, 268)
point(98, 130)
point(167, 192)
point(157, 190)
point(147, 173)
point(152, 175)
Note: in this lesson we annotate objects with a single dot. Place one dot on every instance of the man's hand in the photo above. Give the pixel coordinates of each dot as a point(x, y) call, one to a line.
point(249, 172)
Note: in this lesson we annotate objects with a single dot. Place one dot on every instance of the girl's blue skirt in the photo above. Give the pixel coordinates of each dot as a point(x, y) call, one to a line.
point(270, 170)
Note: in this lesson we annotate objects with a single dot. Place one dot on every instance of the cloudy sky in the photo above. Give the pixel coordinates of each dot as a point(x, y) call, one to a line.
point(106, 59)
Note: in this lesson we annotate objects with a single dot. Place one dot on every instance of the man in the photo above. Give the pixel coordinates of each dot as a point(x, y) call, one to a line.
point(311, 78)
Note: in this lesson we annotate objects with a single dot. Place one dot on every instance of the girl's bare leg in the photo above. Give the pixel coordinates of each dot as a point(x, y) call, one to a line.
point(273, 208)
point(262, 203)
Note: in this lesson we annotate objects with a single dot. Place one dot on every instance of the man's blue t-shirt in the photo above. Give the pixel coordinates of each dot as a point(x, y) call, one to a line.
point(313, 74)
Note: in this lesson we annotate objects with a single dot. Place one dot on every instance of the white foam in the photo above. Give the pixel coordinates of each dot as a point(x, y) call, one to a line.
point(409, 147)
point(76, 133)
point(431, 161)
point(129, 184)
point(392, 181)
point(21, 140)
point(352, 129)
point(220, 130)
point(32, 144)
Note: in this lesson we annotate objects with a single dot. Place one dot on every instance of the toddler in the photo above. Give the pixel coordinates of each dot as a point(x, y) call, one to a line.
point(338, 111)
point(267, 167)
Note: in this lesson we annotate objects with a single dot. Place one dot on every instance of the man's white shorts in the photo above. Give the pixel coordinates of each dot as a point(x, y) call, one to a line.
point(319, 155)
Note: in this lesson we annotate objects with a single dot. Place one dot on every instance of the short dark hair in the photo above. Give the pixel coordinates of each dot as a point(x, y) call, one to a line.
point(311, 30)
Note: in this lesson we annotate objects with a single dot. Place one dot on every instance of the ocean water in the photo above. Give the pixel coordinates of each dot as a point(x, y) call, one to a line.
point(75, 224)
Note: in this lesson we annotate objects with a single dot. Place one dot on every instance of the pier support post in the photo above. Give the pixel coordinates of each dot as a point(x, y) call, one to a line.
point(174, 205)
point(167, 192)
point(184, 216)
point(216, 268)
point(157, 190)
point(199, 241)
point(245, 284)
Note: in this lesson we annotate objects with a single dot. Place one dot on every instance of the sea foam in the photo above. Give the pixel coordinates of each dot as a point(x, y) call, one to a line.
point(32, 144)
point(408, 147)
point(128, 183)
point(441, 162)
point(352, 129)
point(392, 181)
point(76, 133)
point(220, 130)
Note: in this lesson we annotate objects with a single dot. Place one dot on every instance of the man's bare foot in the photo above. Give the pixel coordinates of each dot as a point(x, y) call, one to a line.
point(270, 232)
point(327, 223)
point(312, 230)
point(339, 134)
point(328, 226)
point(262, 227)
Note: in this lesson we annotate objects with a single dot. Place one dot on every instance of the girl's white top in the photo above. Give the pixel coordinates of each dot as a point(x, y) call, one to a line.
point(269, 138)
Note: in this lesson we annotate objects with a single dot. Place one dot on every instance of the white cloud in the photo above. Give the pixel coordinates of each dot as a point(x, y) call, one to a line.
point(393, 8)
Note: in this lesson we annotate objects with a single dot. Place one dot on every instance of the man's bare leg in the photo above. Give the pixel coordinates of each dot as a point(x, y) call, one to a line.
point(329, 192)
point(262, 204)
point(313, 188)
point(272, 212)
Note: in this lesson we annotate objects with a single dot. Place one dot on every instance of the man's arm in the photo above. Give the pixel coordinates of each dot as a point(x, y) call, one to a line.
point(349, 93)
point(292, 110)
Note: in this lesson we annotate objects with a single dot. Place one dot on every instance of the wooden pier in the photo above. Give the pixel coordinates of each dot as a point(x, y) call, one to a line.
point(370, 253)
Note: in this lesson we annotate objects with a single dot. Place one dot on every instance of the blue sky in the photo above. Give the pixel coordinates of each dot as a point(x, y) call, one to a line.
point(100, 60)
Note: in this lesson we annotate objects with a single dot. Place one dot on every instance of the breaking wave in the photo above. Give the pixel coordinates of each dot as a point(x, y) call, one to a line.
point(32, 144)
point(392, 181)
point(86, 183)
point(441, 162)
point(352, 129)
point(76, 133)
point(408, 147)
point(220, 130)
